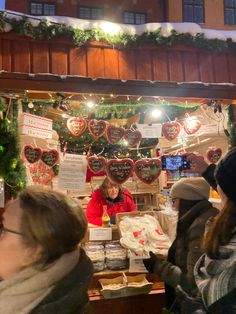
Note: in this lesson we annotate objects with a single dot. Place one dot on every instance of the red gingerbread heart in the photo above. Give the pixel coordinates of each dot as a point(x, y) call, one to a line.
point(191, 125)
point(96, 164)
point(147, 170)
point(97, 127)
point(132, 137)
point(171, 130)
point(50, 157)
point(32, 154)
point(119, 170)
point(76, 126)
point(114, 134)
point(214, 154)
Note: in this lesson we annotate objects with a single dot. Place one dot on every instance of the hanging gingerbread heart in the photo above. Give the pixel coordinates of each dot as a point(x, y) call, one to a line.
point(119, 170)
point(147, 170)
point(32, 154)
point(76, 126)
point(191, 125)
point(132, 137)
point(97, 127)
point(50, 157)
point(214, 154)
point(114, 134)
point(170, 130)
point(96, 164)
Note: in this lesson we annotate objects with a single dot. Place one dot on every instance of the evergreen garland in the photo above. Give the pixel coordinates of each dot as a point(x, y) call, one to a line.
point(48, 30)
point(231, 126)
point(12, 169)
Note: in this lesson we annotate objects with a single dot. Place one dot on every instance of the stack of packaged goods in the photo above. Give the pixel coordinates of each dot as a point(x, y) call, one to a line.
point(116, 256)
point(95, 251)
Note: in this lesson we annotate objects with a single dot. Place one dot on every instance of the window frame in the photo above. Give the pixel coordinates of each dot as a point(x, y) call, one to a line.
point(234, 8)
point(134, 13)
point(193, 6)
point(43, 5)
point(90, 8)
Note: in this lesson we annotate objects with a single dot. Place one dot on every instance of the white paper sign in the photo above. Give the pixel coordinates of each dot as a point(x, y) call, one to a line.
point(72, 172)
point(1, 193)
point(150, 131)
point(100, 234)
point(35, 126)
point(136, 265)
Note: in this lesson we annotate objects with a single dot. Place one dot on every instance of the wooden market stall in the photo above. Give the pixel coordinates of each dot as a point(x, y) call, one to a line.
point(36, 68)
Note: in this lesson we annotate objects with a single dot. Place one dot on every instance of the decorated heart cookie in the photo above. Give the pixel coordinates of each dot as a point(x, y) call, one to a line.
point(214, 154)
point(76, 126)
point(114, 134)
point(119, 170)
point(32, 154)
point(50, 157)
point(191, 125)
point(170, 130)
point(132, 137)
point(96, 164)
point(97, 127)
point(147, 170)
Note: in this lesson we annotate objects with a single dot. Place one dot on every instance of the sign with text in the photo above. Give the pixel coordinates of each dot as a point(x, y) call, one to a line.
point(72, 172)
point(100, 234)
point(35, 126)
point(150, 130)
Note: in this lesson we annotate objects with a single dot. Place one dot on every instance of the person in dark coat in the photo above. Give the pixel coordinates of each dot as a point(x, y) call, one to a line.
point(190, 199)
point(114, 197)
point(215, 271)
point(43, 270)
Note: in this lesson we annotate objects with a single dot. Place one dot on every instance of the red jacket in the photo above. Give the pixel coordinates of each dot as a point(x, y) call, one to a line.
point(94, 209)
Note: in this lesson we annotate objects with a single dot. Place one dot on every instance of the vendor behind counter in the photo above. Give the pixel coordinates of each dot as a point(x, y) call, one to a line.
point(111, 196)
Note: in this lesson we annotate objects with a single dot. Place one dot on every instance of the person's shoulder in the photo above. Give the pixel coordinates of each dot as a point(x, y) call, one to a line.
point(97, 194)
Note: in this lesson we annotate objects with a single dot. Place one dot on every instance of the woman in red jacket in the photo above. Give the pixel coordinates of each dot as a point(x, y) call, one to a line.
point(112, 195)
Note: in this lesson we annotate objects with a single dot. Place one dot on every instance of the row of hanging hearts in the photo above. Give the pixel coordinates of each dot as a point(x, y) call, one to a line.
point(34, 154)
point(170, 130)
point(97, 128)
point(119, 170)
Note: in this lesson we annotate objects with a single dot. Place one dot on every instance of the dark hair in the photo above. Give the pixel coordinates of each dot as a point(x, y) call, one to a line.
point(107, 183)
point(50, 221)
point(221, 230)
point(185, 205)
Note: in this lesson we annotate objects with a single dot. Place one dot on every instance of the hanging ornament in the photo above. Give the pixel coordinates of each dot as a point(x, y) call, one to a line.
point(214, 154)
point(191, 125)
point(132, 137)
point(147, 170)
point(76, 126)
point(32, 154)
point(50, 157)
point(170, 130)
point(97, 127)
point(41, 173)
point(114, 134)
point(119, 170)
point(96, 164)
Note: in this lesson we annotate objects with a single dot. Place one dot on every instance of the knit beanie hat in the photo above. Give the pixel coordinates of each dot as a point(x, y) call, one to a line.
point(194, 189)
point(225, 174)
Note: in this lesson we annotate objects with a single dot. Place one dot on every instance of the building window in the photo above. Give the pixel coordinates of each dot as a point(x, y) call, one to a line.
point(37, 8)
point(193, 11)
point(134, 18)
point(230, 12)
point(90, 13)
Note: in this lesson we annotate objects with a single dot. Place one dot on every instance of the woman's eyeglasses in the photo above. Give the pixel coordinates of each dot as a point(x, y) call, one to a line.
point(3, 229)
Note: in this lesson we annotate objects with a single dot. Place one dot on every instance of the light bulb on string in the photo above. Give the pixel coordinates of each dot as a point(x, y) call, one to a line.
point(156, 113)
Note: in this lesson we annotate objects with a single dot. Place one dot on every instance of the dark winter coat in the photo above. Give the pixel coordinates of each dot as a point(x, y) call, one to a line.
point(70, 294)
point(185, 250)
point(123, 203)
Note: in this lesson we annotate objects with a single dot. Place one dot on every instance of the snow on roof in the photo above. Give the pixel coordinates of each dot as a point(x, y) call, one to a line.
point(116, 28)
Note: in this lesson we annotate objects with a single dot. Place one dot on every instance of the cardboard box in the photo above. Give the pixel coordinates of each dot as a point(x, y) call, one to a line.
point(124, 286)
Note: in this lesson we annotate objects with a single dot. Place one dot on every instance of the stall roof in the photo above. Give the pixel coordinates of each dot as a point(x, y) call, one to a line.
point(19, 82)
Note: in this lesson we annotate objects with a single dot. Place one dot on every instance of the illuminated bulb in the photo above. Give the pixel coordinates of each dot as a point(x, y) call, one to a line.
point(30, 105)
point(111, 95)
point(110, 28)
point(125, 142)
point(156, 113)
point(90, 104)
